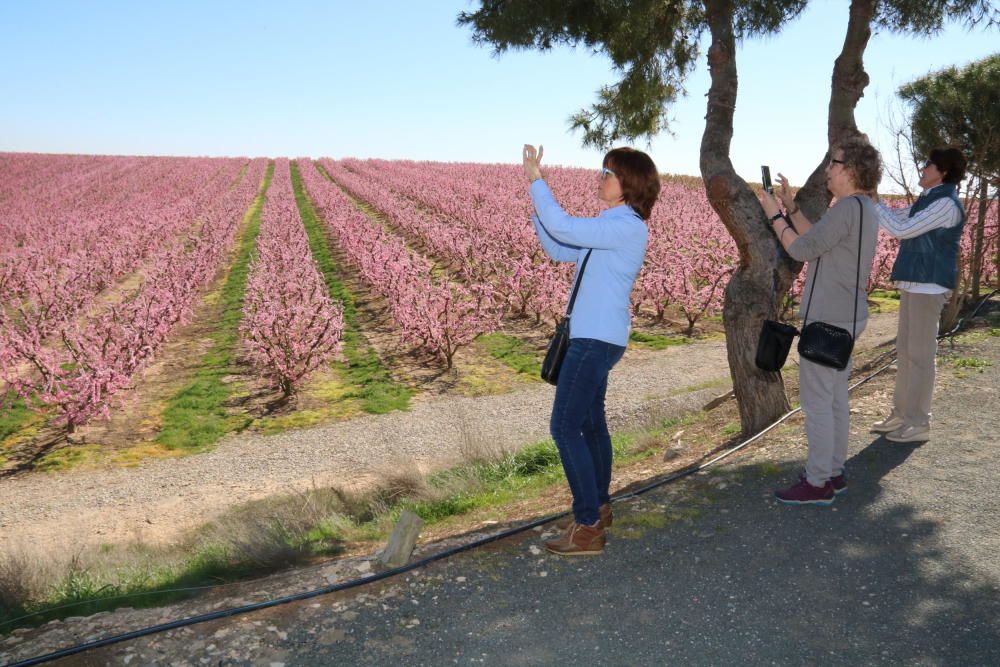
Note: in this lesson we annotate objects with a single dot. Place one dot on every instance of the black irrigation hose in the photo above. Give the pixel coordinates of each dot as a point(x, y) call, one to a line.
point(448, 553)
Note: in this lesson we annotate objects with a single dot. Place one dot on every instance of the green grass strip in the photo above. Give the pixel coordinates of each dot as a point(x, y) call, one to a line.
point(883, 301)
point(196, 417)
point(885, 294)
point(511, 351)
point(14, 415)
point(373, 386)
point(656, 341)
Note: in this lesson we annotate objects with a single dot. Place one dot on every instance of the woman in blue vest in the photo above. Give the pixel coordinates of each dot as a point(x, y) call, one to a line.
point(926, 270)
point(611, 249)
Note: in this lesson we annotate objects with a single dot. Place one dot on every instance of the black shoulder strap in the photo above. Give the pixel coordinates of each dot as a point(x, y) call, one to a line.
point(576, 287)
point(857, 280)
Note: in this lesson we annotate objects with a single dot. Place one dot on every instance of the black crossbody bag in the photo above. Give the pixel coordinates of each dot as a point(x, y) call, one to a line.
point(775, 339)
point(819, 342)
point(559, 342)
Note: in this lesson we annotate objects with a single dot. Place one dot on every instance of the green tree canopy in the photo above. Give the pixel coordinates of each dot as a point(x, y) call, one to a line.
point(960, 106)
point(654, 44)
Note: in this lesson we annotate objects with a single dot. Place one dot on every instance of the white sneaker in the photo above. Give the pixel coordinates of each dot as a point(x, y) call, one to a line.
point(890, 423)
point(910, 434)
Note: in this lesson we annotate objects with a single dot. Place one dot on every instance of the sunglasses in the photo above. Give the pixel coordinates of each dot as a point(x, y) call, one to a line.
point(605, 172)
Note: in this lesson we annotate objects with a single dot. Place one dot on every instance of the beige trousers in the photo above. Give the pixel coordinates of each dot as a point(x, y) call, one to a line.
point(916, 347)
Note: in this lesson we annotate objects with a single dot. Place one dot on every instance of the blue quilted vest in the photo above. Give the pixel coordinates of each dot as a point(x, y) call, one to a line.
point(931, 257)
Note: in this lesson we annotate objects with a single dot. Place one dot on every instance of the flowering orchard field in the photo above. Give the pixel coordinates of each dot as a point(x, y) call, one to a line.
point(104, 259)
point(171, 219)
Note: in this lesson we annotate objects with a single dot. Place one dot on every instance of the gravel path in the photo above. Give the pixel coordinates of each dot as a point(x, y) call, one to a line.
point(159, 499)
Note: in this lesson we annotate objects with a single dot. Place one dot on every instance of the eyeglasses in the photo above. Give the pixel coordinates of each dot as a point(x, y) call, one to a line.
point(605, 172)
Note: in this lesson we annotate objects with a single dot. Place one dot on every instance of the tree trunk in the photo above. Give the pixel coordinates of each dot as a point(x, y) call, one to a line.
point(996, 247)
point(953, 307)
point(849, 77)
point(749, 297)
point(978, 232)
point(847, 86)
point(765, 271)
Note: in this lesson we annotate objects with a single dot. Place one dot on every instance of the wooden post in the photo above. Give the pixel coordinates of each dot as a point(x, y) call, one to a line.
point(403, 539)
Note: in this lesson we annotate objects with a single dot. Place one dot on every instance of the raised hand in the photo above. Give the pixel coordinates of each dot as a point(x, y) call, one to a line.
point(785, 194)
point(532, 161)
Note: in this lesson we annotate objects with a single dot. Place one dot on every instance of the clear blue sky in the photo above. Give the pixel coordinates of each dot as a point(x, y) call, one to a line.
point(394, 79)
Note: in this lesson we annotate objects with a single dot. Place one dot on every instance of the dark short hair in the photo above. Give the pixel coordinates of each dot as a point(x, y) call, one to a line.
point(638, 176)
point(950, 162)
point(863, 161)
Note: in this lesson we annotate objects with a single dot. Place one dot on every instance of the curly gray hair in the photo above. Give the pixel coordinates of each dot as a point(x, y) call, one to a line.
point(863, 161)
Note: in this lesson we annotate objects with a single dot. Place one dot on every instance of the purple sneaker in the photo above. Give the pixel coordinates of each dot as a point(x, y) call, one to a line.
point(805, 493)
point(839, 482)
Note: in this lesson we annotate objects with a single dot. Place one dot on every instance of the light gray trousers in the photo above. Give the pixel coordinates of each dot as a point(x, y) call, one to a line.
point(916, 347)
point(823, 396)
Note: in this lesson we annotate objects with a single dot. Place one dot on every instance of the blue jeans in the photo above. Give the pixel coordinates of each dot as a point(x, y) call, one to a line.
point(578, 424)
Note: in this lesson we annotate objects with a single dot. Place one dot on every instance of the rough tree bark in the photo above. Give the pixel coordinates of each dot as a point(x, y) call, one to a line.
point(979, 235)
point(760, 396)
point(847, 86)
point(765, 271)
point(996, 259)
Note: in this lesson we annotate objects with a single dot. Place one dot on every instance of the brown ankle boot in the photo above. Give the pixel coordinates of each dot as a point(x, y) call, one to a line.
point(579, 540)
point(604, 515)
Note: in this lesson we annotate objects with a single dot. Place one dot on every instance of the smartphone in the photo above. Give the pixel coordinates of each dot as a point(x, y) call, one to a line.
point(765, 177)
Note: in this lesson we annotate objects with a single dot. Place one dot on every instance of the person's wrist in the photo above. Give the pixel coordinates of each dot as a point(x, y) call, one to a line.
point(793, 211)
point(777, 216)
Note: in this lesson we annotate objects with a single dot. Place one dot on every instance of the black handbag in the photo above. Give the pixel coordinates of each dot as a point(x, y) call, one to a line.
point(826, 344)
point(773, 345)
point(559, 342)
point(775, 339)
